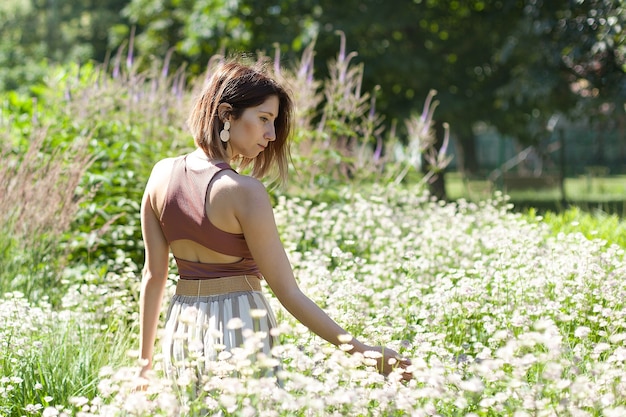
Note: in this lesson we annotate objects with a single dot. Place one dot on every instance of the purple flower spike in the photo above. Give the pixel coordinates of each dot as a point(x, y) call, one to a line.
point(131, 47)
point(342, 46)
point(166, 63)
point(426, 111)
point(277, 60)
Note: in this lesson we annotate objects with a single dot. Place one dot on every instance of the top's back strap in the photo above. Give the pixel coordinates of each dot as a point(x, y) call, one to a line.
point(214, 286)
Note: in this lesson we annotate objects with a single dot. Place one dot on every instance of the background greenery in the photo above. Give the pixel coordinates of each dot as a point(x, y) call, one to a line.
point(88, 105)
point(510, 64)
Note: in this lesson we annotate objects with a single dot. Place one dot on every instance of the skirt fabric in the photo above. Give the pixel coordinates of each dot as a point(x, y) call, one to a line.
point(199, 328)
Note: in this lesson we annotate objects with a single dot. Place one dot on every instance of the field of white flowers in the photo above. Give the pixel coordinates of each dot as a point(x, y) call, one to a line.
point(499, 316)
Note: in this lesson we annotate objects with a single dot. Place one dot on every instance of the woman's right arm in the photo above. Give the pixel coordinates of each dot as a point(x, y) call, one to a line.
point(154, 275)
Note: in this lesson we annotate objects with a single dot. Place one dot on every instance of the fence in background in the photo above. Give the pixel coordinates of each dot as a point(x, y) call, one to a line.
point(572, 151)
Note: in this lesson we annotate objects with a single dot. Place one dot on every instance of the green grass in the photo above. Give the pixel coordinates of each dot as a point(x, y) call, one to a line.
point(593, 225)
point(588, 193)
point(54, 355)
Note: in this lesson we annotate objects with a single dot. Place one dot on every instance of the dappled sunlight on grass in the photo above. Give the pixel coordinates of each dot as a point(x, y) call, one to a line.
point(585, 191)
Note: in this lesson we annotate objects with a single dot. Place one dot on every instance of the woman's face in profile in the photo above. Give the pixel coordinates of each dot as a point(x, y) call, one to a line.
point(254, 130)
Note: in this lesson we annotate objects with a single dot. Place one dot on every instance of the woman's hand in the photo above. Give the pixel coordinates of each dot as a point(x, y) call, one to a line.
point(388, 359)
point(142, 379)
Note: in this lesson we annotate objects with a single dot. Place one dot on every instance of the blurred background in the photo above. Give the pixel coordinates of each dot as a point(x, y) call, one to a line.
point(534, 91)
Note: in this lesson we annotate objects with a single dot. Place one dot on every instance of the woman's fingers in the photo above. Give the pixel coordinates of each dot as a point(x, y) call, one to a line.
point(394, 360)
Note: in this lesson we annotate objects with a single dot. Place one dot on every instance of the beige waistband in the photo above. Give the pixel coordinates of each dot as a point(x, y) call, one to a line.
point(214, 286)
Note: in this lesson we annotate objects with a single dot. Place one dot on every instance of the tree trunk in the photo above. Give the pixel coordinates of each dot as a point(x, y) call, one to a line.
point(437, 183)
point(466, 152)
point(437, 186)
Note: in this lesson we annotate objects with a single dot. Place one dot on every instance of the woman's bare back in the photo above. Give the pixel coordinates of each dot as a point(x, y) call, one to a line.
point(218, 207)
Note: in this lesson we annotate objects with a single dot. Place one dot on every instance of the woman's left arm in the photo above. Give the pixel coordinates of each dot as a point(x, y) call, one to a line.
point(256, 217)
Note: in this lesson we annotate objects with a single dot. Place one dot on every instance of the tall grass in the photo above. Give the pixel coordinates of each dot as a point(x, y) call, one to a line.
point(340, 137)
point(50, 355)
point(48, 352)
point(135, 118)
point(40, 197)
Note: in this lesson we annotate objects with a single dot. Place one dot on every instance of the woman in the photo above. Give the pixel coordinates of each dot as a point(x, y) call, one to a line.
point(221, 230)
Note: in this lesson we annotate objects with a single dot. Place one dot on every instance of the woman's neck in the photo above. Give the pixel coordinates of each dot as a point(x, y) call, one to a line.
point(199, 153)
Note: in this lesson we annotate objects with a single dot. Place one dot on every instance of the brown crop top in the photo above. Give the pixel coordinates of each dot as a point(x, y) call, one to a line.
point(184, 217)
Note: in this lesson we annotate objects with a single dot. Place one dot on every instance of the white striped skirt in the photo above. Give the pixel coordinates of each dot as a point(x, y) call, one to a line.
point(199, 329)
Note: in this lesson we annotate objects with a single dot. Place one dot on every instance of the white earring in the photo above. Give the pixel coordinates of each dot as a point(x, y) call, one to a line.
point(225, 134)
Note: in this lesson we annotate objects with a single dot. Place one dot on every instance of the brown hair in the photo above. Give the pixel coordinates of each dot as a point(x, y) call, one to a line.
point(242, 86)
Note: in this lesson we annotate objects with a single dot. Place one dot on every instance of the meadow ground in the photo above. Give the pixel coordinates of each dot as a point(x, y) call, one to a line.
point(500, 313)
point(503, 311)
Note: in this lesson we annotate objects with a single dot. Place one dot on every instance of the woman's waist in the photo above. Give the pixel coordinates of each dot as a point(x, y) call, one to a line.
point(199, 270)
point(219, 285)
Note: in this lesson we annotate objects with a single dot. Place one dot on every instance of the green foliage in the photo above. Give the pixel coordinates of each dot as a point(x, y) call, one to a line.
point(75, 162)
point(572, 67)
point(509, 64)
point(193, 31)
point(592, 225)
point(34, 33)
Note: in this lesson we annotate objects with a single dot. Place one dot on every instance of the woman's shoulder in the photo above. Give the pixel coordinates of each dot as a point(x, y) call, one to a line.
point(238, 193)
point(231, 182)
point(162, 168)
point(164, 163)
point(159, 176)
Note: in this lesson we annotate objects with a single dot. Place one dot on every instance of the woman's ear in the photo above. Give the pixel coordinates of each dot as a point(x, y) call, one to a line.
point(223, 111)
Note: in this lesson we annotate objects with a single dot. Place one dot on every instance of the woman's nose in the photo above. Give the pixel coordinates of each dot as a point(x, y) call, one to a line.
point(270, 134)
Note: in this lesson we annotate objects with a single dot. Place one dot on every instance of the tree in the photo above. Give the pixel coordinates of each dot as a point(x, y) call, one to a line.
point(443, 45)
point(562, 60)
point(511, 64)
point(193, 31)
point(34, 32)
